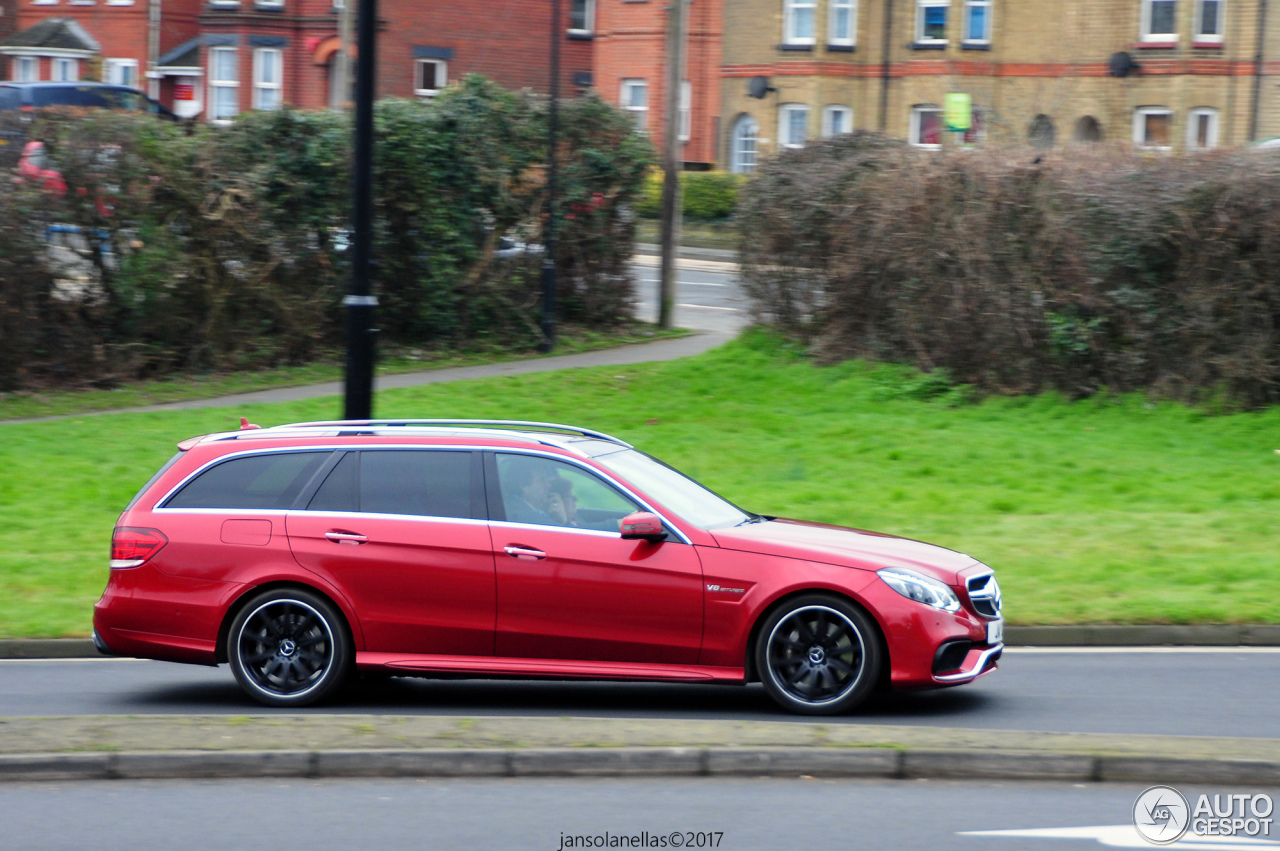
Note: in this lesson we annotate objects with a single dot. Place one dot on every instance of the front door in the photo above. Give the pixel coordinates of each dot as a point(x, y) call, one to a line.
point(569, 586)
point(401, 533)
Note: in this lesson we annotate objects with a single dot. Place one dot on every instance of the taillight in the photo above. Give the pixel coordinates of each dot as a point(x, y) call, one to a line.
point(132, 546)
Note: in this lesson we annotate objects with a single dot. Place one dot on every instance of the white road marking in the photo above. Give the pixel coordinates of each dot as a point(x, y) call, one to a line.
point(708, 307)
point(1126, 836)
point(1159, 649)
point(706, 265)
point(684, 283)
point(75, 659)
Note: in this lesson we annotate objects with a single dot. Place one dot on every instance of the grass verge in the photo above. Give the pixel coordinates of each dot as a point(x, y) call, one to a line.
point(328, 367)
point(692, 234)
point(1107, 510)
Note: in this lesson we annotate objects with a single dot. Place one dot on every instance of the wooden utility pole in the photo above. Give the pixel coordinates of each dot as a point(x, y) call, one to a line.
point(341, 95)
point(677, 21)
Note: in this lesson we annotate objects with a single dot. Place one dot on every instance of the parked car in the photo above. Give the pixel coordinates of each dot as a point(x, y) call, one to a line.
point(28, 96)
point(301, 553)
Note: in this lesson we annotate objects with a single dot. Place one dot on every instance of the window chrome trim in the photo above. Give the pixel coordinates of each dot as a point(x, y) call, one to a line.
point(448, 447)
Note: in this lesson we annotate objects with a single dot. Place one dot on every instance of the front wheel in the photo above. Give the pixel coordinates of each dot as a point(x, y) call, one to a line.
point(288, 647)
point(818, 655)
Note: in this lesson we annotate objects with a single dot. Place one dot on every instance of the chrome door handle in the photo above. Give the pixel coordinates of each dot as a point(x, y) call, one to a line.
point(346, 537)
point(523, 552)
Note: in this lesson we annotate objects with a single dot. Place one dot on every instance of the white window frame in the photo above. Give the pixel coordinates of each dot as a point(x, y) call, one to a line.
point(968, 35)
point(791, 11)
point(741, 160)
point(914, 133)
point(1158, 38)
point(639, 112)
point(1199, 37)
point(1193, 119)
point(119, 2)
point(262, 86)
point(834, 38)
point(828, 125)
point(1140, 127)
point(785, 111)
point(26, 69)
point(109, 71)
point(61, 62)
point(269, 4)
point(442, 73)
point(921, 5)
point(217, 84)
point(589, 16)
point(686, 110)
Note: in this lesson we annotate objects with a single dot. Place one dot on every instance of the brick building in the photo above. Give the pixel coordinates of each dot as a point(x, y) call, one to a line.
point(8, 23)
point(219, 58)
point(1162, 74)
point(630, 55)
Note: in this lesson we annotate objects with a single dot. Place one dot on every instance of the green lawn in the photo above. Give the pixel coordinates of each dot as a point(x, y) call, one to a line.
point(1108, 510)
point(327, 367)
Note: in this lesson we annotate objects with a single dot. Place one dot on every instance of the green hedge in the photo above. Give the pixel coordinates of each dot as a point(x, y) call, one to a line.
point(707, 196)
point(1018, 271)
point(205, 247)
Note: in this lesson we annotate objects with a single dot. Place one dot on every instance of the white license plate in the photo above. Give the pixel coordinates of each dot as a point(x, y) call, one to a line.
point(995, 632)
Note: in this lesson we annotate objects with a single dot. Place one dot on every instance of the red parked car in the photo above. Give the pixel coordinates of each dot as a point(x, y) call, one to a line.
point(301, 553)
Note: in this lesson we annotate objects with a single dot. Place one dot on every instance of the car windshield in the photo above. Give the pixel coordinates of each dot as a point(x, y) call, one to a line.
point(674, 490)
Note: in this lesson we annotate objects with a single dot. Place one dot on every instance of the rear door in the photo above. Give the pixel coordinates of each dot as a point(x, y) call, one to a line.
point(401, 531)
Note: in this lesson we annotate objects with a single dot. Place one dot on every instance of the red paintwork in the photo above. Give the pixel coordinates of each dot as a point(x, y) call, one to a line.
point(437, 595)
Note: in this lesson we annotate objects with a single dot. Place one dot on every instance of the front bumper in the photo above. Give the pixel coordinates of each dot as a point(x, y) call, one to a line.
point(979, 661)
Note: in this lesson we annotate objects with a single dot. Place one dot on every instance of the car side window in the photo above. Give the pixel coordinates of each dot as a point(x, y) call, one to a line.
point(545, 492)
point(272, 480)
point(419, 482)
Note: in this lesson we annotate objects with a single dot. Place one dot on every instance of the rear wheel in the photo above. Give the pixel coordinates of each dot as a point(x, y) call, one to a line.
point(289, 647)
point(818, 655)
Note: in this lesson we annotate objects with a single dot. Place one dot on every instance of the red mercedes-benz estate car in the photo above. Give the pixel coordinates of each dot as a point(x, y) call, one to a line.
point(301, 553)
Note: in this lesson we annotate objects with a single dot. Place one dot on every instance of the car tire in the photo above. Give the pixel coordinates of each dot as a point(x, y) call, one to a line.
point(289, 647)
point(818, 655)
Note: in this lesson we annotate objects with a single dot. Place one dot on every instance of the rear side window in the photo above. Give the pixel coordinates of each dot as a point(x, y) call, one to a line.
point(270, 480)
point(421, 482)
point(151, 481)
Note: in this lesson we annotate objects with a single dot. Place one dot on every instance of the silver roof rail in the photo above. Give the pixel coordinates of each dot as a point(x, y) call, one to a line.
point(502, 424)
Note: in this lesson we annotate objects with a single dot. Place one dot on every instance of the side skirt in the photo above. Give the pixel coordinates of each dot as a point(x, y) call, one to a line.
point(553, 668)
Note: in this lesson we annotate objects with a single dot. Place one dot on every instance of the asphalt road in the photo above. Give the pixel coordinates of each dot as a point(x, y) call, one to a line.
point(708, 297)
point(1190, 693)
point(548, 815)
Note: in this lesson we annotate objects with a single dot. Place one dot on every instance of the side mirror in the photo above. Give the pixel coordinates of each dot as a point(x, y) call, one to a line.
point(643, 526)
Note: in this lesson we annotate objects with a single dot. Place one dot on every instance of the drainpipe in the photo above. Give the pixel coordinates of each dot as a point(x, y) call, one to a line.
point(1257, 70)
point(153, 50)
point(886, 65)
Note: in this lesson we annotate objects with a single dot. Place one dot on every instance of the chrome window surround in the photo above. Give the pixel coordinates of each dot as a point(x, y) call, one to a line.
point(161, 509)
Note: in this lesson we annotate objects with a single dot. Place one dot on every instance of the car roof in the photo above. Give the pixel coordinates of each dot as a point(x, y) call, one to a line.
point(509, 433)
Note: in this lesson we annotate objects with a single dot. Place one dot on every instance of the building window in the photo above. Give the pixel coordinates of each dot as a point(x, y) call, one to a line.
point(793, 125)
point(926, 127)
point(26, 69)
point(269, 4)
point(120, 72)
point(1207, 26)
point(582, 16)
point(931, 21)
point(65, 70)
point(744, 146)
point(635, 100)
point(268, 69)
point(686, 110)
point(1152, 126)
point(836, 120)
point(1087, 129)
point(977, 21)
point(1202, 129)
point(224, 83)
point(429, 76)
point(1160, 20)
point(797, 21)
point(842, 29)
point(1042, 133)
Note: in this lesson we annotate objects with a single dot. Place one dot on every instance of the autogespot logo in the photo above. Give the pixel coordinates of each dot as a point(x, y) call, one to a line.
point(1161, 815)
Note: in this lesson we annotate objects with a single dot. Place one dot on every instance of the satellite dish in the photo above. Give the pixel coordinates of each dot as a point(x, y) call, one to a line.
point(1121, 65)
point(758, 87)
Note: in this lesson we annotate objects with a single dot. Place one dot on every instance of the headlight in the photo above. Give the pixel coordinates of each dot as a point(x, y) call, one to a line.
point(922, 589)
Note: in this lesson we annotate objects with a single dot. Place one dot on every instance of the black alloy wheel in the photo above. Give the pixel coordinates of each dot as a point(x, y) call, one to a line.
point(289, 647)
point(818, 655)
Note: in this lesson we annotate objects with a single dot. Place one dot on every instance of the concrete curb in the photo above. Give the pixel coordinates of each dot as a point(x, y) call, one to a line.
point(883, 763)
point(1148, 635)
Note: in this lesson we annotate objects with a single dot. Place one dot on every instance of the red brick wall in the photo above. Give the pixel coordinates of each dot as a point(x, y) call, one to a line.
point(631, 44)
